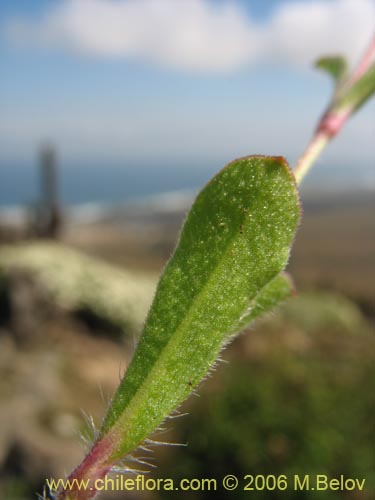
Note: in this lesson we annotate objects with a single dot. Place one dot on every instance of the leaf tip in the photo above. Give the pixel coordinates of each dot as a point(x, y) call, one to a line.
point(335, 65)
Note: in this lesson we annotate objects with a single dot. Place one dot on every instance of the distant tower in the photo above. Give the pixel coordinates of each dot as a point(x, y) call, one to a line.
point(49, 223)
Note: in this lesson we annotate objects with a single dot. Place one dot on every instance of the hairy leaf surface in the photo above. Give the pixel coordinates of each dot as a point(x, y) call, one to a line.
point(224, 272)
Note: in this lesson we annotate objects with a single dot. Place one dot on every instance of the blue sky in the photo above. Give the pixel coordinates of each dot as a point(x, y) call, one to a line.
point(174, 81)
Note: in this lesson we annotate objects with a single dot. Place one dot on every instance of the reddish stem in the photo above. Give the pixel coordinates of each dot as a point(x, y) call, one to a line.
point(332, 120)
point(94, 467)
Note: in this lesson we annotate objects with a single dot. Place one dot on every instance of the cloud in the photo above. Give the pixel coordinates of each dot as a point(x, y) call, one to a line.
point(200, 36)
point(300, 32)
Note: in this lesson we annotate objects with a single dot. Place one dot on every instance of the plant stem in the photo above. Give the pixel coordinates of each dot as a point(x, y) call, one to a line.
point(332, 120)
point(91, 470)
point(310, 155)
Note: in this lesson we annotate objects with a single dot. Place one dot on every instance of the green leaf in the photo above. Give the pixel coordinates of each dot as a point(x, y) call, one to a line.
point(269, 297)
point(358, 93)
point(224, 272)
point(335, 66)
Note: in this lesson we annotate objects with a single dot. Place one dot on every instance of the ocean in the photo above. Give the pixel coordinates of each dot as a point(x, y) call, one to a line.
point(88, 192)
